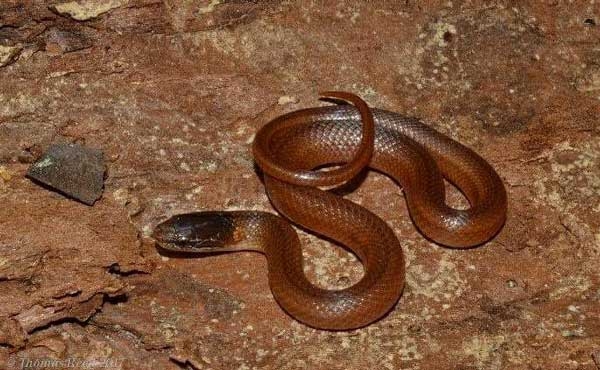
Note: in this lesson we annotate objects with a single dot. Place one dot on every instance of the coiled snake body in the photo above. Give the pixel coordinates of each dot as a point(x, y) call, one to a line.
point(289, 148)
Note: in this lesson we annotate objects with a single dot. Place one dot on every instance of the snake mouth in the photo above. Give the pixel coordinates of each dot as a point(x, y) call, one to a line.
point(198, 232)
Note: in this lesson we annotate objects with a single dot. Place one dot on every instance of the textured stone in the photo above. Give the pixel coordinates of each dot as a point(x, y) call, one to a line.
point(59, 260)
point(71, 169)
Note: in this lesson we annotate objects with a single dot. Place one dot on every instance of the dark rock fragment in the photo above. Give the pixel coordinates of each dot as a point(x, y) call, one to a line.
point(71, 169)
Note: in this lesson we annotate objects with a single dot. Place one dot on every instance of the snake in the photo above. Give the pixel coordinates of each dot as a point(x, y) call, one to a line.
point(305, 154)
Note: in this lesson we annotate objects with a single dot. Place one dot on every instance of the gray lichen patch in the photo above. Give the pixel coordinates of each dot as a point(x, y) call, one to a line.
point(573, 182)
point(210, 7)
point(329, 266)
point(443, 284)
point(87, 9)
point(8, 54)
point(589, 82)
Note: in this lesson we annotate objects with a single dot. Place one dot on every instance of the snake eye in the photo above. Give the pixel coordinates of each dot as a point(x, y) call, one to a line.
point(195, 232)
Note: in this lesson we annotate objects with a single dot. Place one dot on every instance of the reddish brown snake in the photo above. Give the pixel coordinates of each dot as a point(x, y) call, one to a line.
point(289, 148)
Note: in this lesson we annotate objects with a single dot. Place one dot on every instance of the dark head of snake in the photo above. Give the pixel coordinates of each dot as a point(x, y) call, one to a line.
point(198, 232)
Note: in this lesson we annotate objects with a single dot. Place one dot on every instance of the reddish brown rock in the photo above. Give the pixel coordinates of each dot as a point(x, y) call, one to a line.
point(173, 92)
point(57, 258)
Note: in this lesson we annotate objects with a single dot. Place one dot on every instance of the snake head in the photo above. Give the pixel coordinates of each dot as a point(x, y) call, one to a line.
point(198, 232)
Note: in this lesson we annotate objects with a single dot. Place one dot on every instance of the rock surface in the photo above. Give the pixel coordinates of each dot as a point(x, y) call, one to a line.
point(172, 92)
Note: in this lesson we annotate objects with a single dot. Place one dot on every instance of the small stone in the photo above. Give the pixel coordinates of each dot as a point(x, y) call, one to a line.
point(573, 308)
point(532, 243)
point(283, 100)
point(5, 174)
point(575, 333)
point(71, 169)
